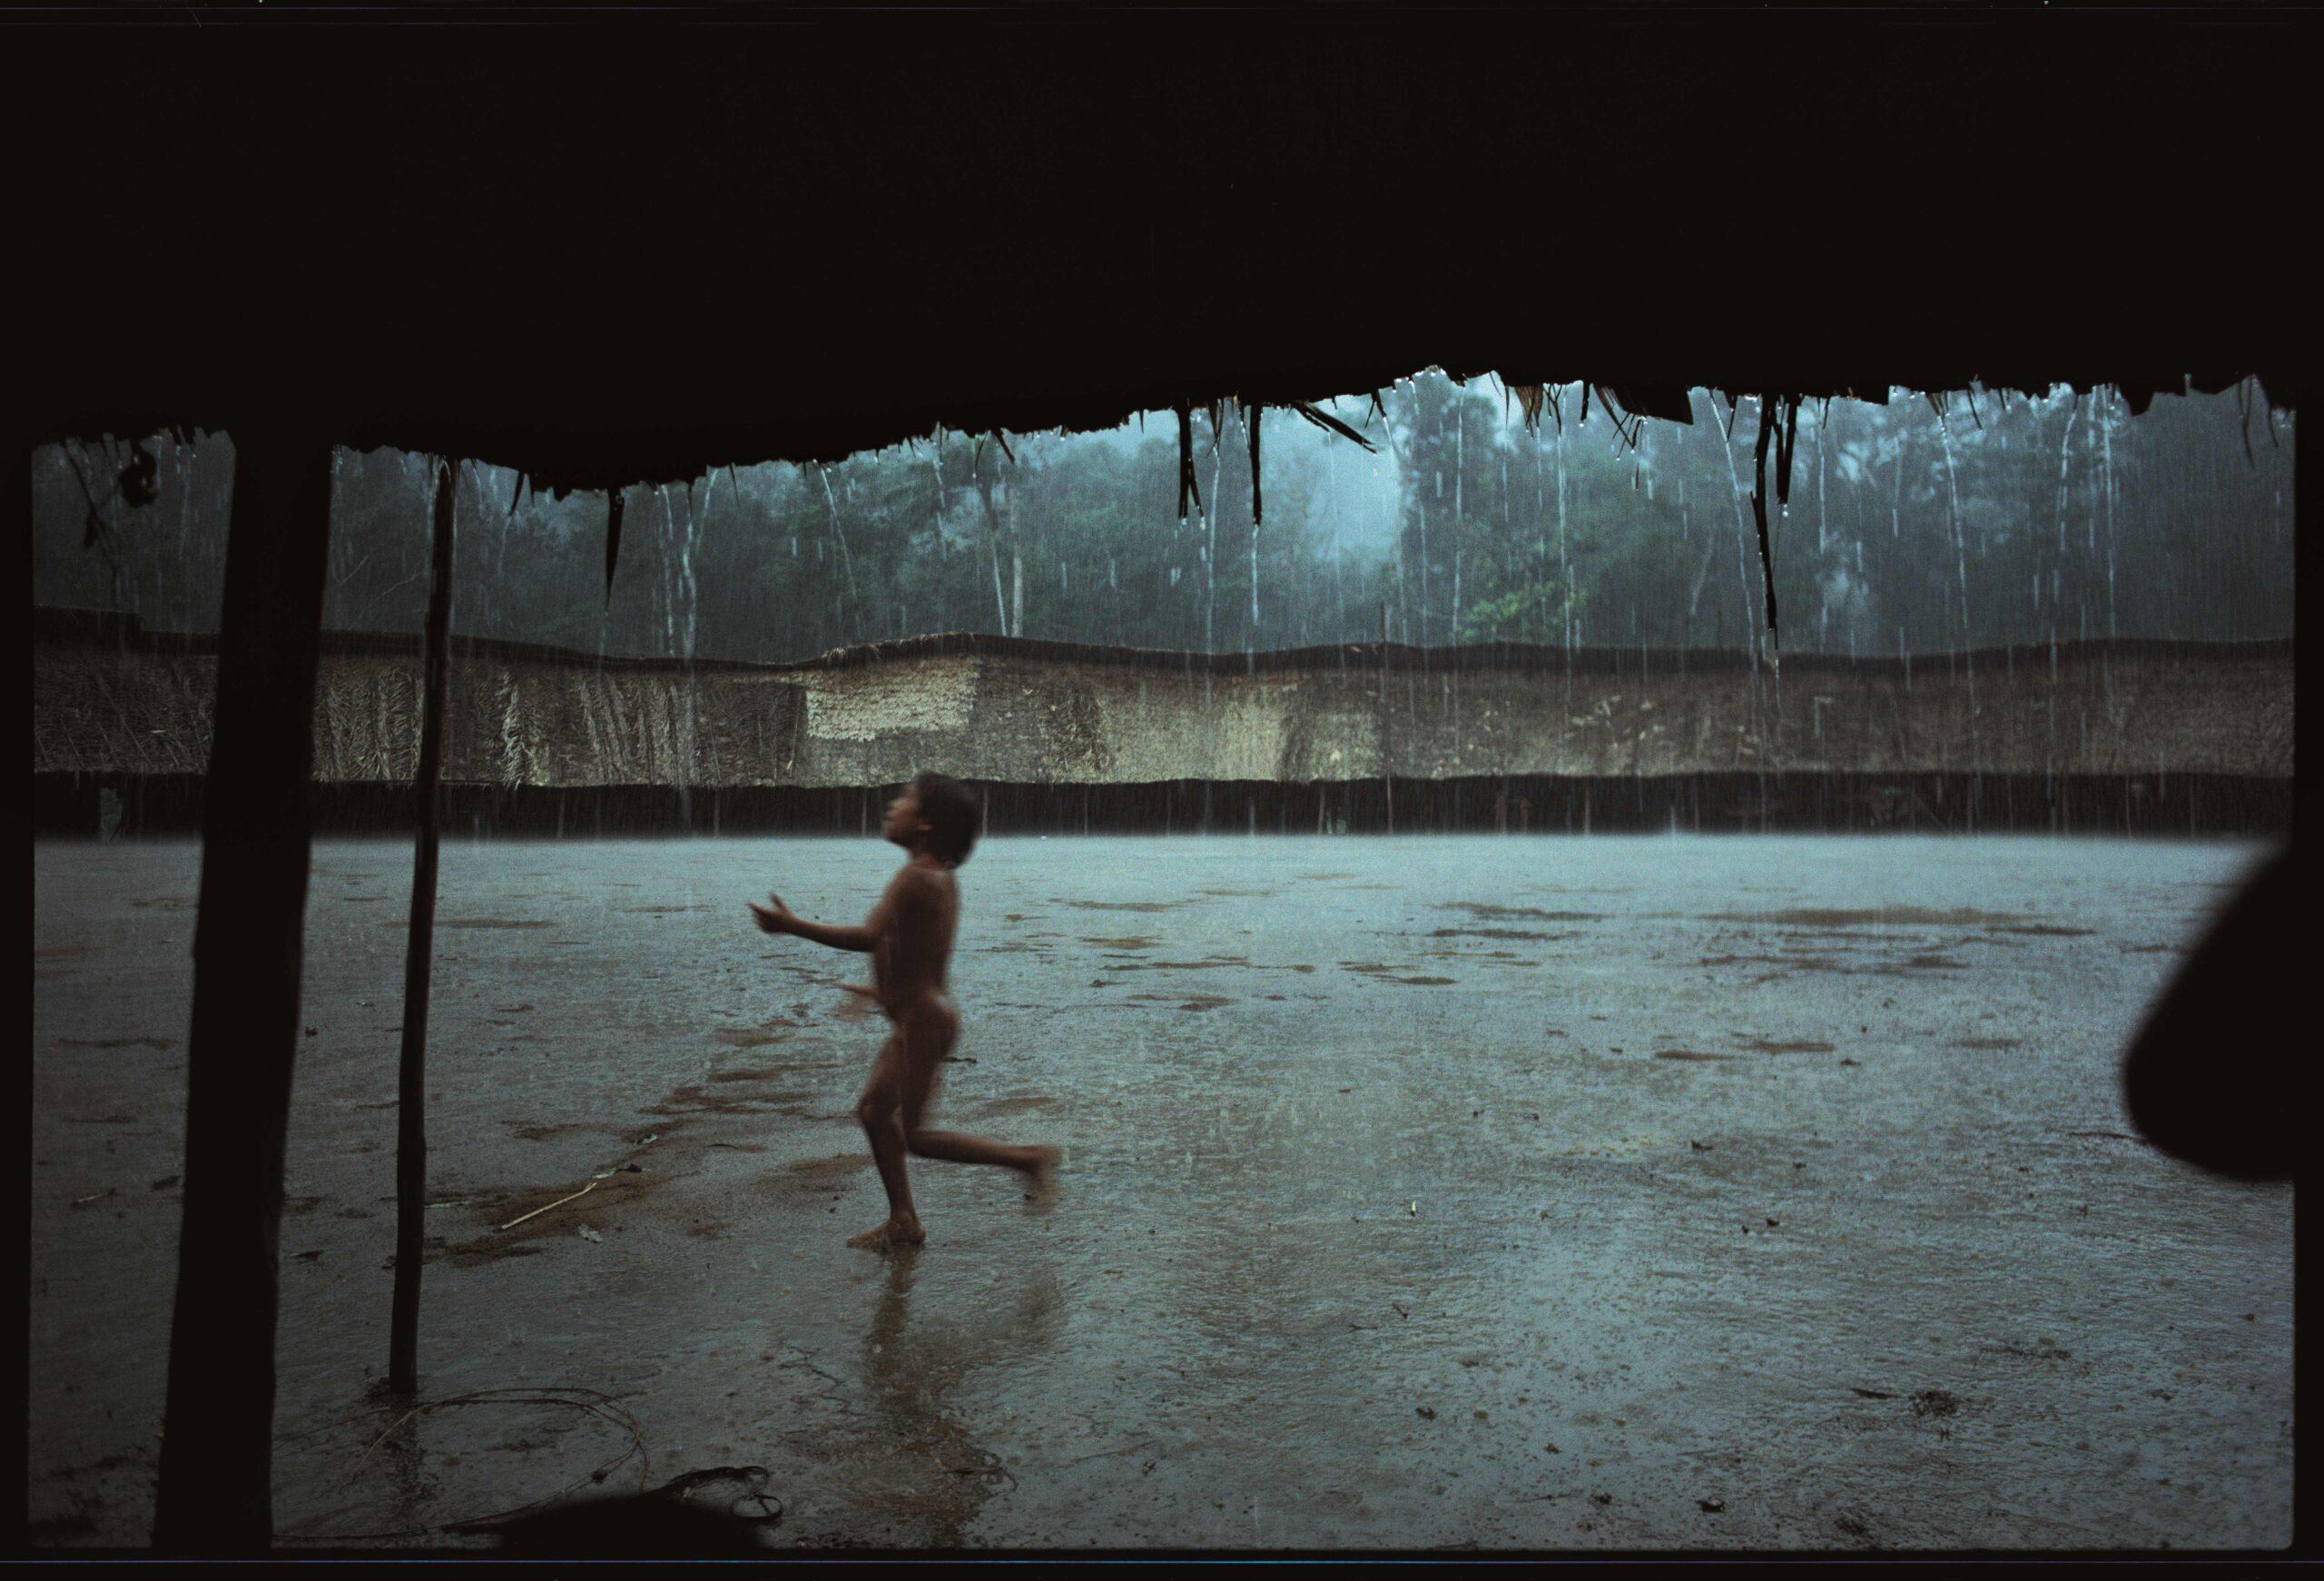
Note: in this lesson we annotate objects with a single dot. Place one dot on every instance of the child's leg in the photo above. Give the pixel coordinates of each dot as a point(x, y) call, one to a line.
point(960, 1147)
point(927, 1039)
point(880, 1113)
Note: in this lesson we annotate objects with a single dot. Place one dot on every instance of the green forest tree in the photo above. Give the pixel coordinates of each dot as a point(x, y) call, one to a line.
point(1914, 524)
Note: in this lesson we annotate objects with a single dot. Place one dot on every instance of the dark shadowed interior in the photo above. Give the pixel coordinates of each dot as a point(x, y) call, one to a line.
point(619, 256)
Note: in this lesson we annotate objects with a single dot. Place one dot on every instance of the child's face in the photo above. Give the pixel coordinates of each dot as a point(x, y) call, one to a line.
point(904, 822)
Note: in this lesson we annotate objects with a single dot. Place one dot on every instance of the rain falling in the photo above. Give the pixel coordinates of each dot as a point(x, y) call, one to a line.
point(831, 805)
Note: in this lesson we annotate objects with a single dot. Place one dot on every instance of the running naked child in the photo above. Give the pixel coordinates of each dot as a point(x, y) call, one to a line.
point(910, 938)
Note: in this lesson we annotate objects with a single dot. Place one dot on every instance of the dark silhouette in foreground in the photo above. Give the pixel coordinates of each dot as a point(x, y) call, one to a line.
point(2204, 1081)
point(716, 1514)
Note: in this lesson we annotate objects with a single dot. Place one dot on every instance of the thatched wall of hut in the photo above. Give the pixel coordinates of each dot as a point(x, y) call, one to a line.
point(1025, 712)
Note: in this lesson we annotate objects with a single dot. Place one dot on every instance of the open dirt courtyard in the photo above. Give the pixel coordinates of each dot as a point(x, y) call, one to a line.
point(1514, 1192)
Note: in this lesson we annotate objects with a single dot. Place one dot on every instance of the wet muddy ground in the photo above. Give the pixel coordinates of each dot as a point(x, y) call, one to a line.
point(1504, 1192)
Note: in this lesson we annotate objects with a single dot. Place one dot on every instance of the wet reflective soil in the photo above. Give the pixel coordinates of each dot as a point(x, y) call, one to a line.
point(1513, 1193)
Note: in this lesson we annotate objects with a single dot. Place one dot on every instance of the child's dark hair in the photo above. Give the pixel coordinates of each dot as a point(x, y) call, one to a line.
point(953, 817)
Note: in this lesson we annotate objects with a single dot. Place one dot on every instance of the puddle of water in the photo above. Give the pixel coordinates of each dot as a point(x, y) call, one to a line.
point(1476, 909)
point(1498, 934)
point(1894, 916)
point(749, 1037)
point(999, 1106)
point(472, 922)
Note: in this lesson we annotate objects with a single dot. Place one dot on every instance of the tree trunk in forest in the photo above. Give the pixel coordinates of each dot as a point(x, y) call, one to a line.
point(1210, 541)
point(1016, 566)
point(217, 1452)
point(992, 540)
point(1419, 517)
point(411, 1083)
point(1251, 417)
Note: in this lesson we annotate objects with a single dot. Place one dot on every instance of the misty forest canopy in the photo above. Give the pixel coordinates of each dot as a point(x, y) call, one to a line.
point(1918, 525)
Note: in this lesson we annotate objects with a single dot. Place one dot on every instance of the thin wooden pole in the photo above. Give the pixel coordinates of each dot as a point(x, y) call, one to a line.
point(411, 1085)
point(15, 1242)
point(249, 950)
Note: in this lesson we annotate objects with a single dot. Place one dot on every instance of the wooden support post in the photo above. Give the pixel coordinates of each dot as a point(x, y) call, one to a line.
point(217, 1451)
point(16, 1246)
point(411, 1083)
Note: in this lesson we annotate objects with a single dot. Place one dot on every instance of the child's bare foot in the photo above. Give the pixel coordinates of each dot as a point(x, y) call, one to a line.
point(900, 1231)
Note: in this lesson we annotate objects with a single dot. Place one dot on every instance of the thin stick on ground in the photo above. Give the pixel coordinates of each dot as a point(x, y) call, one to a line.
point(560, 1202)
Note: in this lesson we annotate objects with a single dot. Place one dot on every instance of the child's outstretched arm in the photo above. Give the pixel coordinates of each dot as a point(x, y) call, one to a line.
point(861, 999)
point(778, 918)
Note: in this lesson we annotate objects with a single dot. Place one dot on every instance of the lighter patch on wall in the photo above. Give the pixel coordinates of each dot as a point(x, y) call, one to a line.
point(867, 702)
